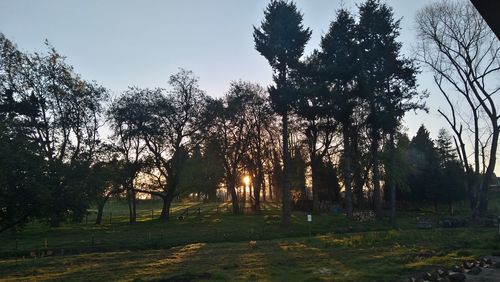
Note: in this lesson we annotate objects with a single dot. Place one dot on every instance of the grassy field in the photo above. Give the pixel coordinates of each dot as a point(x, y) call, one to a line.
point(214, 245)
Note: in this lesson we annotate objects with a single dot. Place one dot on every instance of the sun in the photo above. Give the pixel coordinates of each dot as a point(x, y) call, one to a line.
point(246, 180)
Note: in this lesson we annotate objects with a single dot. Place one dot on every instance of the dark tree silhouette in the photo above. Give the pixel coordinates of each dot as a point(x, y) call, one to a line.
point(387, 79)
point(281, 39)
point(464, 55)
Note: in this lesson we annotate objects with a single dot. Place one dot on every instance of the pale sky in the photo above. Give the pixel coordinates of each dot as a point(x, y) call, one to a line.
point(121, 43)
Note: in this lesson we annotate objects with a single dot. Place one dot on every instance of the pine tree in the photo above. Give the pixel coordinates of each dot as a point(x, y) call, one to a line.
point(281, 39)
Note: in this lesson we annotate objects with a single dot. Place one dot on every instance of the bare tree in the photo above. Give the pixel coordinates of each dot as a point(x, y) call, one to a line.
point(463, 52)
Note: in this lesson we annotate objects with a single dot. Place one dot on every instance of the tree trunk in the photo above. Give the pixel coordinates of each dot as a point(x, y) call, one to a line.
point(165, 210)
point(377, 200)
point(315, 188)
point(256, 193)
point(263, 189)
point(482, 200)
point(286, 197)
point(393, 176)
point(347, 172)
point(244, 198)
point(357, 171)
point(234, 196)
point(272, 185)
point(55, 219)
point(100, 212)
point(132, 206)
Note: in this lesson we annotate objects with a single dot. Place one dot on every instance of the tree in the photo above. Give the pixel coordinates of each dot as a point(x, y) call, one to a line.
point(260, 117)
point(281, 39)
point(127, 115)
point(425, 172)
point(389, 83)
point(339, 61)
point(231, 129)
point(444, 147)
point(203, 171)
point(170, 132)
point(64, 120)
point(464, 55)
point(104, 182)
point(319, 124)
point(23, 193)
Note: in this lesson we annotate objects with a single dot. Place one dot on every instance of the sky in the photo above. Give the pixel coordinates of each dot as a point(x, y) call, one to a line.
point(122, 43)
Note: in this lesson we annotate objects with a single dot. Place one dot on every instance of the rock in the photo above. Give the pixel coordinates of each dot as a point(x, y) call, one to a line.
point(496, 264)
point(442, 272)
point(431, 276)
point(475, 270)
point(457, 268)
point(468, 264)
point(456, 277)
point(443, 279)
point(486, 260)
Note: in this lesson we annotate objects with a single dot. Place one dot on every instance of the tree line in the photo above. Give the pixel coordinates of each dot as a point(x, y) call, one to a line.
point(331, 120)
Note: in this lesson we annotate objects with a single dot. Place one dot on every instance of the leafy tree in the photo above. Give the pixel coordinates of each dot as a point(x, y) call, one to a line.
point(170, 132)
point(203, 172)
point(23, 193)
point(127, 116)
point(64, 117)
point(231, 128)
point(260, 117)
point(104, 182)
point(281, 39)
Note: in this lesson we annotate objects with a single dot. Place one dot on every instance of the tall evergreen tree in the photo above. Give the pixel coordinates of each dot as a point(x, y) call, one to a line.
point(444, 147)
point(339, 69)
point(281, 39)
point(389, 82)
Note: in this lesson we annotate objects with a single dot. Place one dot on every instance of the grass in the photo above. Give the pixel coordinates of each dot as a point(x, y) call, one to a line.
point(214, 245)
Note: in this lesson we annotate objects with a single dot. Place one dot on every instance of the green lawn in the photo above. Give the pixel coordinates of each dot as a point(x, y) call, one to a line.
point(214, 245)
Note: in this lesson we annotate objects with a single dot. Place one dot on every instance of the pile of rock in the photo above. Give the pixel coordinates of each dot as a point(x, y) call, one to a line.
point(453, 223)
point(363, 216)
point(461, 272)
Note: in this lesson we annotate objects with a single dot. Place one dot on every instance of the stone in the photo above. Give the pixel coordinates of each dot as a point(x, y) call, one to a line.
point(457, 268)
point(432, 276)
point(442, 272)
point(486, 260)
point(456, 277)
point(468, 264)
point(475, 270)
